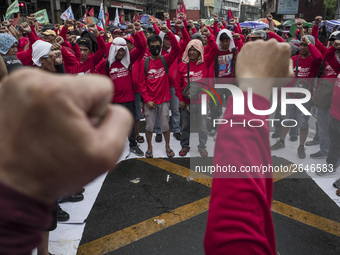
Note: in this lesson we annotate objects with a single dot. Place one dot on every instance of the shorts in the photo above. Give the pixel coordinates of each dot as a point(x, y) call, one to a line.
point(151, 114)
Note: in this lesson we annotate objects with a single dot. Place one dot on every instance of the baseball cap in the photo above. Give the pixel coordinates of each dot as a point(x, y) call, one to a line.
point(337, 37)
point(49, 32)
point(84, 42)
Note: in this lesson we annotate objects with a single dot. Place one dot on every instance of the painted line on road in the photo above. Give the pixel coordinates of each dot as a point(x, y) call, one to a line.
point(143, 229)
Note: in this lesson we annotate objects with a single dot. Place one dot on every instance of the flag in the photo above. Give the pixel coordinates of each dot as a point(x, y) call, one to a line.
point(91, 12)
point(134, 16)
point(183, 8)
point(116, 21)
point(68, 14)
point(230, 16)
point(84, 17)
point(101, 15)
point(107, 18)
point(42, 16)
point(13, 8)
point(120, 17)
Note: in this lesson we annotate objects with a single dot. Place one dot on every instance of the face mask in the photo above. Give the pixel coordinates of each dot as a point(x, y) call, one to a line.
point(155, 50)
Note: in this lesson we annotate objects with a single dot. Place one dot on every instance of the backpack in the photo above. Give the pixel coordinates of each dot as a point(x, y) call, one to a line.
point(147, 63)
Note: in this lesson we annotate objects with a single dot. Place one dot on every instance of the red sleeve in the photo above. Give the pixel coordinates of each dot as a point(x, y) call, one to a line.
point(98, 56)
point(179, 84)
point(237, 30)
point(70, 61)
point(317, 56)
point(34, 32)
point(25, 56)
point(174, 49)
point(238, 43)
point(77, 52)
point(168, 23)
point(275, 36)
point(142, 84)
point(101, 68)
point(23, 221)
point(213, 49)
point(63, 33)
point(100, 29)
point(211, 31)
point(239, 218)
point(331, 59)
point(194, 30)
point(32, 37)
point(185, 40)
point(157, 30)
point(224, 25)
point(185, 22)
point(216, 29)
point(139, 49)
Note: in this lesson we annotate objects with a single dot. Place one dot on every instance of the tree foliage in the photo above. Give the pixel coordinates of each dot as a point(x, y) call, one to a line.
point(330, 8)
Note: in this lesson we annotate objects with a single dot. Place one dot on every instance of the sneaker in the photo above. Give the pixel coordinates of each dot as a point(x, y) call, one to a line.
point(336, 184)
point(177, 136)
point(212, 132)
point(301, 152)
point(318, 155)
point(136, 150)
point(275, 135)
point(311, 143)
point(62, 215)
point(159, 138)
point(76, 197)
point(293, 138)
point(329, 171)
point(278, 145)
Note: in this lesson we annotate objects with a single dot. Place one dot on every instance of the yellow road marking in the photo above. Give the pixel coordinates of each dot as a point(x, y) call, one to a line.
point(179, 170)
point(148, 227)
point(307, 218)
point(143, 229)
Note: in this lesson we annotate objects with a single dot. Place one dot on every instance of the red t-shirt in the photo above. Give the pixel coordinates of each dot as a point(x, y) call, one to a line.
point(331, 59)
point(155, 87)
point(121, 76)
point(92, 60)
point(239, 219)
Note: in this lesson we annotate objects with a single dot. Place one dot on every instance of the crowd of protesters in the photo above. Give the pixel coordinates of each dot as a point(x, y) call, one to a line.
point(151, 68)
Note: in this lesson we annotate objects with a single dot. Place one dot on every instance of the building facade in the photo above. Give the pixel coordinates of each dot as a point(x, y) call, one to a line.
point(233, 5)
point(249, 12)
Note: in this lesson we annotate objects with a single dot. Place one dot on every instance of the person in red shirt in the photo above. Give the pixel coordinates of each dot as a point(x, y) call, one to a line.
point(333, 158)
point(240, 219)
point(118, 67)
point(198, 64)
point(155, 89)
point(307, 64)
point(90, 61)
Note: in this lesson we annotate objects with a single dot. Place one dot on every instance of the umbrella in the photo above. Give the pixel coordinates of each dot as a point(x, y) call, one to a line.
point(264, 20)
point(292, 22)
point(293, 28)
point(89, 20)
point(254, 24)
point(144, 18)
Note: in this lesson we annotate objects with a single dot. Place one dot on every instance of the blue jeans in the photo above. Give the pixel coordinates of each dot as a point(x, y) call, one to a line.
point(195, 112)
point(293, 131)
point(323, 115)
point(175, 115)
